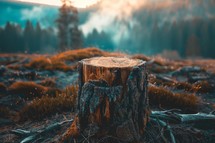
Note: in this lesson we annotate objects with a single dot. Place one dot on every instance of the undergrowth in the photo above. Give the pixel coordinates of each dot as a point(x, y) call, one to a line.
point(48, 83)
point(46, 105)
point(159, 96)
point(59, 61)
point(27, 89)
point(202, 87)
point(31, 90)
point(176, 85)
point(197, 87)
point(79, 54)
point(44, 63)
point(3, 88)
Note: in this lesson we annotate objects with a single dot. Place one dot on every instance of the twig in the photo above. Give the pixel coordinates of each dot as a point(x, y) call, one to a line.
point(168, 128)
point(31, 136)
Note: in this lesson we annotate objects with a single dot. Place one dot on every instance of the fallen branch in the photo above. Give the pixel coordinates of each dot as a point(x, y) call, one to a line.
point(165, 127)
point(163, 118)
point(31, 136)
point(199, 120)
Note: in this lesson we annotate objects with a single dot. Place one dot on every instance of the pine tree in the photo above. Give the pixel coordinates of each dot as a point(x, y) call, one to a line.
point(29, 36)
point(38, 35)
point(69, 35)
point(75, 33)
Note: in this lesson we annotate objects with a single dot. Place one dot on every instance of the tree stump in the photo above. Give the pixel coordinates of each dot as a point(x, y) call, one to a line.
point(113, 97)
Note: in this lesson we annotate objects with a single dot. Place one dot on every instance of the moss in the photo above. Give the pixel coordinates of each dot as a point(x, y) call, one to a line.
point(159, 96)
point(47, 106)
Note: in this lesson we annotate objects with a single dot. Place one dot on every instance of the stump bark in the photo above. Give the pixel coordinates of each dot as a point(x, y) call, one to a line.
point(113, 97)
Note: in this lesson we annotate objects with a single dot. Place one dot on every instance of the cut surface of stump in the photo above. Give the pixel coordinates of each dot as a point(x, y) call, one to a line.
point(113, 97)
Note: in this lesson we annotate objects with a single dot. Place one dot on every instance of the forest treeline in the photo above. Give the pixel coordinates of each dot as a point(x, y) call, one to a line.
point(194, 37)
point(30, 39)
point(34, 39)
point(189, 38)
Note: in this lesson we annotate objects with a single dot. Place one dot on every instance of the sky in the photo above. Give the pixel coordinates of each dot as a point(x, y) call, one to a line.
point(18, 12)
point(76, 3)
point(107, 12)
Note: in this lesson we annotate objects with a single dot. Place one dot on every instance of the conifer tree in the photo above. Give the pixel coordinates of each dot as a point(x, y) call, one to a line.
point(68, 33)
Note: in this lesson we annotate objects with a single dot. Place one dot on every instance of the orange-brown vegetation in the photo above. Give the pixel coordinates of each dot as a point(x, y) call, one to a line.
point(31, 90)
point(203, 87)
point(208, 64)
point(72, 90)
point(172, 84)
point(48, 83)
point(164, 98)
point(198, 87)
point(141, 57)
point(27, 89)
point(46, 105)
point(3, 88)
point(45, 63)
point(79, 54)
point(14, 67)
point(58, 62)
point(72, 131)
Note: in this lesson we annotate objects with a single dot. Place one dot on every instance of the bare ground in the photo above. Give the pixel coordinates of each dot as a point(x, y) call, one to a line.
point(52, 75)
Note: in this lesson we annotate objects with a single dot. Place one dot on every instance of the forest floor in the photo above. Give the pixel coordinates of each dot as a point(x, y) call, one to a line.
point(37, 91)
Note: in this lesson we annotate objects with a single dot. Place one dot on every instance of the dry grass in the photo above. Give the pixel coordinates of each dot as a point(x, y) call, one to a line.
point(46, 105)
point(3, 88)
point(27, 89)
point(44, 63)
point(48, 83)
point(141, 57)
point(198, 87)
point(58, 62)
point(183, 85)
point(79, 54)
point(31, 90)
point(175, 85)
point(159, 96)
point(202, 87)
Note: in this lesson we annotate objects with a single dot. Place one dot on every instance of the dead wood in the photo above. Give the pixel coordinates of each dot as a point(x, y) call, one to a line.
point(198, 120)
point(113, 95)
point(39, 134)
